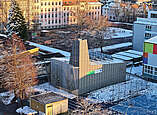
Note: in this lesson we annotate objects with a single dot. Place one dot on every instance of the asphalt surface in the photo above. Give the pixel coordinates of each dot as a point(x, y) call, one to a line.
point(8, 109)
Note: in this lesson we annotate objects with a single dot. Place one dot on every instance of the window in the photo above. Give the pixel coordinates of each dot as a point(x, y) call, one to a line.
point(147, 35)
point(56, 3)
point(148, 27)
point(48, 3)
point(41, 3)
point(45, 15)
point(45, 3)
point(52, 15)
point(41, 16)
point(52, 3)
point(52, 9)
point(59, 3)
point(153, 15)
point(49, 22)
point(49, 15)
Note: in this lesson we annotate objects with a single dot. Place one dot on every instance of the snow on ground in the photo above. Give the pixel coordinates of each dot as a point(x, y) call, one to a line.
point(121, 33)
point(135, 70)
point(46, 87)
point(7, 97)
point(26, 110)
point(119, 91)
point(121, 45)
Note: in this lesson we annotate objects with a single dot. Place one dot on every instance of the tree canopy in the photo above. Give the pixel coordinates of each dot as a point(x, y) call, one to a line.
point(16, 22)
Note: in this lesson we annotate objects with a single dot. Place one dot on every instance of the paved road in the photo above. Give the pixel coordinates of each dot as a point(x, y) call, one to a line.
point(8, 110)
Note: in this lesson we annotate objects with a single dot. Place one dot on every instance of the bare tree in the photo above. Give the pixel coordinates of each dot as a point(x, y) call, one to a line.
point(17, 68)
point(88, 108)
point(101, 30)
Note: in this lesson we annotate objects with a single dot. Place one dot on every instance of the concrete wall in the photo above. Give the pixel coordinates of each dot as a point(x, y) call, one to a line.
point(57, 107)
point(82, 75)
point(36, 105)
point(64, 75)
point(111, 74)
point(138, 37)
point(51, 108)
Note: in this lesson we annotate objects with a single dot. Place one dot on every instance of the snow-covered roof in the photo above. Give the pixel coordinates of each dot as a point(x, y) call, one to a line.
point(125, 58)
point(49, 49)
point(152, 40)
point(121, 33)
point(149, 21)
point(46, 98)
point(121, 45)
point(135, 52)
point(129, 55)
point(95, 3)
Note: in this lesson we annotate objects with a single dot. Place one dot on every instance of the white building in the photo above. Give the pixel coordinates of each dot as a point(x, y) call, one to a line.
point(149, 58)
point(110, 9)
point(58, 13)
point(144, 28)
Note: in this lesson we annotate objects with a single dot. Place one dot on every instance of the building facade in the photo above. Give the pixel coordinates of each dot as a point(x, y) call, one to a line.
point(149, 58)
point(49, 14)
point(80, 74)
point(144, 28)
point(59, 13)
point(49, 103)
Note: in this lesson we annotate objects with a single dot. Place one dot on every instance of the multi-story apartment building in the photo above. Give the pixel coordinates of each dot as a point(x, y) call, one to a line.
point(59, 13)
point(56, 13)
point(144, 28)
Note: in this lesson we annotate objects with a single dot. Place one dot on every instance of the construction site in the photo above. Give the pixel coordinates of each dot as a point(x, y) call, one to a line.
point(102, 85)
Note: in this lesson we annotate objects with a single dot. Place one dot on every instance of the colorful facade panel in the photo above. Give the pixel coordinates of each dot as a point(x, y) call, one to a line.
point(152, 59)
point(155, 49)
point(148, 47)
point(145, 60)
point(145, 54)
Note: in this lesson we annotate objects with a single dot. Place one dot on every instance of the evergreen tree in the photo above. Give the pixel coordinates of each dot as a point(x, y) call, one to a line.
point(16, 22)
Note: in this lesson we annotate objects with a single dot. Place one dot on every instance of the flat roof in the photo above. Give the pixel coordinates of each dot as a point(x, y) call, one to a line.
point(135, 52)
point(125, 58)
point(151, 21)
point(49, 49)
point(152, 40)
point(48, 98)
point(129, 55)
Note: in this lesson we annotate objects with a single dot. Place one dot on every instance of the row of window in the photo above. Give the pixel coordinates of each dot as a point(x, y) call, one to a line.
point(56, 9)
point(53, 9)
point(50, 3)
point(148, 27)
point(55, 21)
point(66, 14)
point(150, 70)
point(53, 15)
